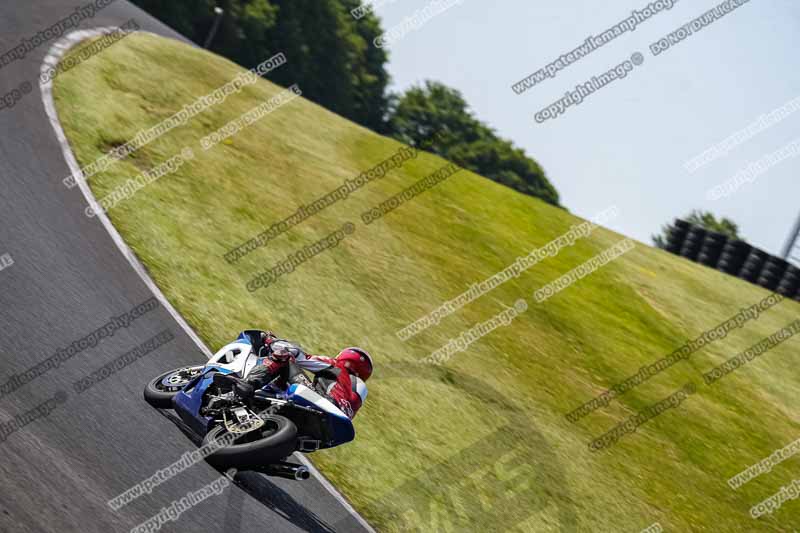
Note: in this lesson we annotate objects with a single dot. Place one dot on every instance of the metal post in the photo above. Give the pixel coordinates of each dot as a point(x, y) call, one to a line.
point(214, 27)
point(787, 250)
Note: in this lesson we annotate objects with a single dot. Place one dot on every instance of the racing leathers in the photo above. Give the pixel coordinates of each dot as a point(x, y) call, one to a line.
point(331, 379)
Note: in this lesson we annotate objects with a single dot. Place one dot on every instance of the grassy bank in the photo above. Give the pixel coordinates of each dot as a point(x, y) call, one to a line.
point(481, 442)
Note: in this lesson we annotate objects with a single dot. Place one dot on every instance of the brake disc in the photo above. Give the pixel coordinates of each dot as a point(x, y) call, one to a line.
point(246, 421)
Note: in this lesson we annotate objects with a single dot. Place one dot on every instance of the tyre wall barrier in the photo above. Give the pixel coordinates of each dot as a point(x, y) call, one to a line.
point(789, 285)
point(677, 235)
point(751, 269)
point(712, 249)
point(733, 257)
point(693, 243)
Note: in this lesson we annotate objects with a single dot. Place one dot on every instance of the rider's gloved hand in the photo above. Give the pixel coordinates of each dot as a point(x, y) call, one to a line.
point(263, 348)
point(284, 351)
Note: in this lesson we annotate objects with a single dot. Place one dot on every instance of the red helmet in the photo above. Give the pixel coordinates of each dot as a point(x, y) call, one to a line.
point(356, 361)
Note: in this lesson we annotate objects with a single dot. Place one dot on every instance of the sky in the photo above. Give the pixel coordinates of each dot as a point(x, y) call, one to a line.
point(627, 143)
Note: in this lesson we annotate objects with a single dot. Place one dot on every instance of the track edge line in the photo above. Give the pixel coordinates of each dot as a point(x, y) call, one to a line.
point(51, 59)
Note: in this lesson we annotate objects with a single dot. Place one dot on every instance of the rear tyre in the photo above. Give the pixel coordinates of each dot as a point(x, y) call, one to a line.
point(160, 390)
point(274, 441)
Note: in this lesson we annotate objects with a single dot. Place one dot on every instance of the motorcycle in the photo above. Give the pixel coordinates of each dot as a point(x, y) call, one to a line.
point(261, 428)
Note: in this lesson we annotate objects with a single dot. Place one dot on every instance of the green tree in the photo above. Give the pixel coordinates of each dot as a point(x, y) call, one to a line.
point(704, 219)
point(185, 17)
point(434, 109)
point(242, 32)
point(370, 77)
point(330, 54)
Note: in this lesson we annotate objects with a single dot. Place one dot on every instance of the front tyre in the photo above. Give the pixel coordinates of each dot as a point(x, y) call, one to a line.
point(160, 390)
point(270, 443)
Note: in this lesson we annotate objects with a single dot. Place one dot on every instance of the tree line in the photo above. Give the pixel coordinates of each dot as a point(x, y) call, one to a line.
point(333, 59)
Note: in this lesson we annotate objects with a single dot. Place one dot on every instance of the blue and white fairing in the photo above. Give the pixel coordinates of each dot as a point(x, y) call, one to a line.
point(236, 357)
point(239, 357)
point(243, 337)
point(341, 426)
point(188, 401)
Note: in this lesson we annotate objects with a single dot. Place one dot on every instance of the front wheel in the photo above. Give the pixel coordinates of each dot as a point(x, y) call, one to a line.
point(159, 391)
point(270, 443)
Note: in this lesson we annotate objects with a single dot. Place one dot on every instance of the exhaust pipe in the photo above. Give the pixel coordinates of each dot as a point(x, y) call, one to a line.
point(301, 473)
point(287, 471)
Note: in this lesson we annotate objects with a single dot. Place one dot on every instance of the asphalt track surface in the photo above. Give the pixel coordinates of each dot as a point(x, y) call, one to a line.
point(67, 279)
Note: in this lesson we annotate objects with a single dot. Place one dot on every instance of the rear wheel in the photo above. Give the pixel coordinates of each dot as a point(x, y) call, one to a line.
point(159, 391)
point(271, 443)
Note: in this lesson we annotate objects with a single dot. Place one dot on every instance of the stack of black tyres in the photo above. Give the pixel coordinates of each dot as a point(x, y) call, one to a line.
point(751, 269)
point(693, 242)
point(711, 250)
point(772, 273)
point(733, 256)
point(790, 283)
point(676, 236)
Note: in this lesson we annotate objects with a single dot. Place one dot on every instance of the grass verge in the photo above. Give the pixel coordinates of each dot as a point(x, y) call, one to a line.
point(481, 442)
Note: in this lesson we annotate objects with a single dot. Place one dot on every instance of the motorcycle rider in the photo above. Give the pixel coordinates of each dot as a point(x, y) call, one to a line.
point(341, 379)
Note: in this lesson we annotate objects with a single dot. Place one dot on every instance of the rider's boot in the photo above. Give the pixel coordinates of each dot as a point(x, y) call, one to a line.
point(243, 388)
